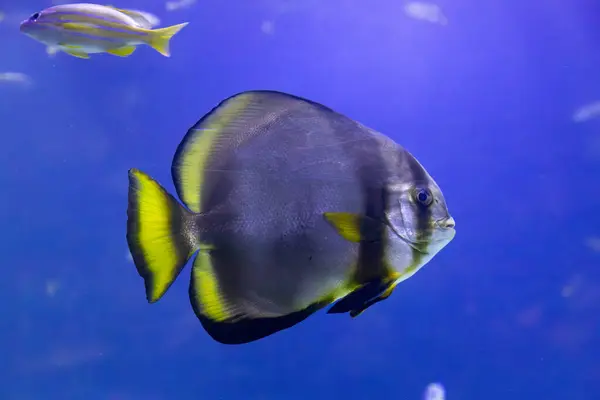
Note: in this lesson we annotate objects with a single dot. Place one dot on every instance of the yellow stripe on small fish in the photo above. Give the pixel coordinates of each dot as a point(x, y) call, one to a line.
point(126, 32)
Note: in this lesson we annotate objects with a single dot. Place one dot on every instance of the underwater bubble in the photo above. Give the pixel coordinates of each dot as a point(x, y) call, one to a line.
point(52, 287)
point(426, 12)
point(176, 5)
point(434, 391)
point(267, 27)
point(15, 77)
point(593, 243)
point(587, 112)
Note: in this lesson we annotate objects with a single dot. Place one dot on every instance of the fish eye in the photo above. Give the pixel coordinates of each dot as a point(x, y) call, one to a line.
point(34, 17)
point(424, 196)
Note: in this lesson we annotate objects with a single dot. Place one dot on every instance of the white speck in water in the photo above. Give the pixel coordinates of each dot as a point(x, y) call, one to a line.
point(593, 243)
point(51, 288)
point(434, 391)
point(587, 112)
point(267, 27)
point(178, 4)
point(426, 12)
point(15, 77)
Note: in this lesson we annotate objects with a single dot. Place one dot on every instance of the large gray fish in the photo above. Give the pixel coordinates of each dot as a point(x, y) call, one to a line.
point(291, 207)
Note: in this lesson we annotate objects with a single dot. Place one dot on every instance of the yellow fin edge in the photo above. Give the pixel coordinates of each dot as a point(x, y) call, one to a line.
point(158, 251)
point(197, 149)
point(160, 38)
point(206, 293)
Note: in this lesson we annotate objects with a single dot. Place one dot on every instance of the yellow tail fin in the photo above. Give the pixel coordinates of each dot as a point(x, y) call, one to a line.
point(161, 234)
point(159, 40)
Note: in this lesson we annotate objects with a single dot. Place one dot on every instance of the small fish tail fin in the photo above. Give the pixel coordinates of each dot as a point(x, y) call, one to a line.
point(160, 38)
point(161, 234)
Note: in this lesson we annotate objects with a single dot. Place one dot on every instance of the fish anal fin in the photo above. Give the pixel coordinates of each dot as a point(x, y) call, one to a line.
point(206, 295)
point(77, 53)
point(124, 51)
point(246, 330)
point(222, 318)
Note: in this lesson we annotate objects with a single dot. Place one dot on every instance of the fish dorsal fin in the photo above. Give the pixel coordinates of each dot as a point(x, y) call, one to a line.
point(143, 19)
point(227, 126)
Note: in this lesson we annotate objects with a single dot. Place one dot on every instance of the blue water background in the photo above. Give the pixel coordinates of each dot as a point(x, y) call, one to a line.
point(509, 310)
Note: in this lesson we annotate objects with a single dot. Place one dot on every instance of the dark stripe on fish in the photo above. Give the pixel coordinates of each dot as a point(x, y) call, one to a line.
point(371, 253)
point(373, 187)
point(371, 271)
point(423, 213)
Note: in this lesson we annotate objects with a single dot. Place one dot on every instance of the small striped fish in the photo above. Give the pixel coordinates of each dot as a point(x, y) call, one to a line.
point(82, 29)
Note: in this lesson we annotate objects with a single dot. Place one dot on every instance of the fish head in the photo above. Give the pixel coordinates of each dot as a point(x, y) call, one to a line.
point(32, 24)
point(43, 26)
point(419, 222)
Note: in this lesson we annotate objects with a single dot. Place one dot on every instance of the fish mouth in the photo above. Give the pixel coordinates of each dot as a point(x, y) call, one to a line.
point(445, 225)
point(25, 26)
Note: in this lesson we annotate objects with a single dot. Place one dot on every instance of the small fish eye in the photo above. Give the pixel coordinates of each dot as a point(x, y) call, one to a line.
point(34, 16)
point(424, 197)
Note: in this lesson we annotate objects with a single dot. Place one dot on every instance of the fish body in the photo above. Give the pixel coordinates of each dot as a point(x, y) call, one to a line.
point(290, 207)
point(83, 28)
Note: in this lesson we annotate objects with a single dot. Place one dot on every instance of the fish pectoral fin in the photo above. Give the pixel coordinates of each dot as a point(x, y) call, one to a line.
point(354, 227)
point(124, 51)
point(160, 38)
